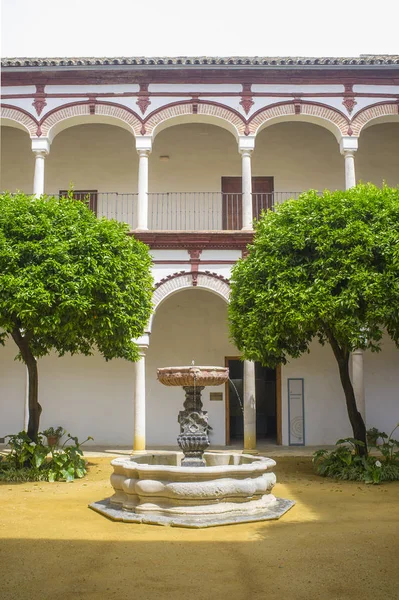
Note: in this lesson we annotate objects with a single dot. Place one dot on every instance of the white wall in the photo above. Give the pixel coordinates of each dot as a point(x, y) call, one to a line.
point(12, 390)
point(378, 156)
point(17, 161)
point(381, 372)
point(299, 156)
point(86, 395)
point(326, 418)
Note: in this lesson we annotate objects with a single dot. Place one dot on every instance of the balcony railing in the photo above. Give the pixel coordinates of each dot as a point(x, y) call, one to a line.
point(206, 211)
point(182, 211)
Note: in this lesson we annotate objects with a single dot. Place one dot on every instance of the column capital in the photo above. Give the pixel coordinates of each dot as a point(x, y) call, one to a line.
point(246, 144)
point(348, 145)
point(144, 145)
point(41, 145)
point(143, 342)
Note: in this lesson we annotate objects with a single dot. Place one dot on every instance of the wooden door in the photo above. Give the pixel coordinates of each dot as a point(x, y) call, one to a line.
point(262, 195)
point(231, 203)
point(262, 199)
point(89, 197)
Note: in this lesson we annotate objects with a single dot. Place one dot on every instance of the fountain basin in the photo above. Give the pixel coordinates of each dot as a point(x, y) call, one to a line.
point(193, 376)
point(154, 488)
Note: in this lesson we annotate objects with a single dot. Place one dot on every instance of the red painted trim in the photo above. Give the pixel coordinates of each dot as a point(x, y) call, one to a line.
point(21, 110)
point(303, 104)
point(129, 75)
point(206, 94)
point(177, 240)
point(193, 102)
point(371, 106)
point(187, 262)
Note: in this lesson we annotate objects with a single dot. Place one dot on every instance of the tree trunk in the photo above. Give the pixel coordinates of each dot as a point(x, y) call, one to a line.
point(355, 418)
point(34, 407)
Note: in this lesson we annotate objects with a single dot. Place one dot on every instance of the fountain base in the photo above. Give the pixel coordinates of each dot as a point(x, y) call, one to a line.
point(157, 488)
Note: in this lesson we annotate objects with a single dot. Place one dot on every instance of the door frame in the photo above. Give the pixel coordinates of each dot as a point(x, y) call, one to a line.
point(278, 403)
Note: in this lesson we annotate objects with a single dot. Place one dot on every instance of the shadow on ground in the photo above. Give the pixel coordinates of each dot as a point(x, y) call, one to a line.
point(338, 543)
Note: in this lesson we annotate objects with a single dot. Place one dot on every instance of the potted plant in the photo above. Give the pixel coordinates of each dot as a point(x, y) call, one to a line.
point(53, 435)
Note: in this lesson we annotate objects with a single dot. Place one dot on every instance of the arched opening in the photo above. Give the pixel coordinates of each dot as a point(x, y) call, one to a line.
point(298, 156)
point(190, 324)
point(17, 160)
point(100, 162)
point(186, 170)
point(377, 159)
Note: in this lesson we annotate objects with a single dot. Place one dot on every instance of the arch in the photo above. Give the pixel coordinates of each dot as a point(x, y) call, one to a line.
point(205, 280)
point(18, 118)
point(192, 112)
point(382, 112)
point(81, 113)
point(310, 112)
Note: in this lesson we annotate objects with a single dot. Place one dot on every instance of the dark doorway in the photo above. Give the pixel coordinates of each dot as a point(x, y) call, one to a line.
point(266, 402)
point(262, 199)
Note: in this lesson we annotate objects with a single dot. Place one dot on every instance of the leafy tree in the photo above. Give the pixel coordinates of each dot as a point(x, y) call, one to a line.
point(69, 282)
point(324, 267)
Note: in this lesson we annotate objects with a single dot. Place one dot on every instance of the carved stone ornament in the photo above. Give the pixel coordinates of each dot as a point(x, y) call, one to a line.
point(39, 101)
point(143, 101)
point(246, 98)
point(349, 103)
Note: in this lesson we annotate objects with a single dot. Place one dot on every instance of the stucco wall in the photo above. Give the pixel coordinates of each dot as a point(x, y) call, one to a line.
point(86, 395)
point(326, 417)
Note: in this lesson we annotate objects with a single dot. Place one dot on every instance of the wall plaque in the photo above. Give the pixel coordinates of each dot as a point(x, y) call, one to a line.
point(296, 412)
point(216, 396)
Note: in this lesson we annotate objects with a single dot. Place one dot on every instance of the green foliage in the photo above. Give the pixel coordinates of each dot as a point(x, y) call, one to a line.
point(70, 282)
point(36, 461)
point(389, 447)
point(320, 266)
point(346, 462)
point(57, 432)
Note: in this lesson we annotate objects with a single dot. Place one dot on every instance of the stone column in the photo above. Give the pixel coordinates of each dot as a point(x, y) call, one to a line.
point(358, 381)
point(246, 146)
point(249, 406)
point(143, 146)
point(139, 396)
point(40, 147)
point(348, 148)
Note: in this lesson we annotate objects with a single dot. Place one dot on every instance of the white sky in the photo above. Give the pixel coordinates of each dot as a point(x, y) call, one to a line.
point(206, 27)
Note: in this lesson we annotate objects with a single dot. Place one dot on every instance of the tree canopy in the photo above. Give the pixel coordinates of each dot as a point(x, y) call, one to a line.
point(324, 266)
point(69, 282)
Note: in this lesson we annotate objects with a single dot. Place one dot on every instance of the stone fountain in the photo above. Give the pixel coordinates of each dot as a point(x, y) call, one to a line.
point(192, 488)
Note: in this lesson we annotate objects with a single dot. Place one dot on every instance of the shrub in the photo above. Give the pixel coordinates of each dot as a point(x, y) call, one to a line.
point(346, 462)
point(37, 461)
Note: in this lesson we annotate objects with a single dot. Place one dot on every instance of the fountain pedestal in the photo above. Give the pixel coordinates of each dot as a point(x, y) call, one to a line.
point(193, 439)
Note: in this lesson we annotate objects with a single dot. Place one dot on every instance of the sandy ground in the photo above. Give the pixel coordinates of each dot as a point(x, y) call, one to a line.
point(339, 542)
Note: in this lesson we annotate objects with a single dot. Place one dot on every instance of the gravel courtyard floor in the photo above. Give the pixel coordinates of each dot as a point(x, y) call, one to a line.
point(339, 542)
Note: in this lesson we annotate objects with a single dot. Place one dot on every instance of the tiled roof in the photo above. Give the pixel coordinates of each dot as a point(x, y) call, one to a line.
point(208, 61)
